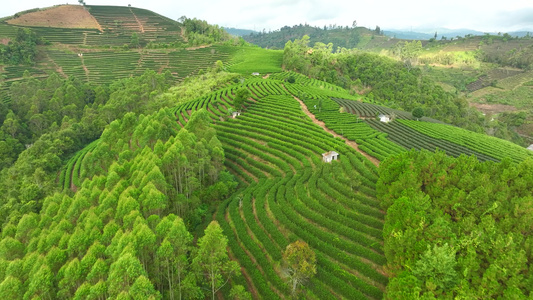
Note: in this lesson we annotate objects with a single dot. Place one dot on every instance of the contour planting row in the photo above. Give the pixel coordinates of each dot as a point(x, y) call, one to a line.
point(70, 175)
point(367, 110)
point(308, 82)
point(412, 139)
point(487, 147)
point(70, 63)
point(270, 141)
point(326, 231)
point(349, 125)
point(63, 35)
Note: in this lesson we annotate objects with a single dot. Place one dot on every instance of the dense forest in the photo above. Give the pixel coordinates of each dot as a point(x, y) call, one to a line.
point(340, 36)
point(123, 234)
point(48, 121)
point(456, 227)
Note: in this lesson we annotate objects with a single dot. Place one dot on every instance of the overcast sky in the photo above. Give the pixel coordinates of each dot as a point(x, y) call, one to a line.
point(482, 15)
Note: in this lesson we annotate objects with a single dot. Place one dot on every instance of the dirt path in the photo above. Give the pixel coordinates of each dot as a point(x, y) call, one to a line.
point(73, 187)
point(348, 142)
point(138, 21)
point(198, 47)
point(84, 67)
point(185, 39)
point(58, 68)
point(492, 108)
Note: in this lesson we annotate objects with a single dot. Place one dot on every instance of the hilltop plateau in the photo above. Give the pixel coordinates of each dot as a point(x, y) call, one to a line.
point(147, 158)
point(62, 16)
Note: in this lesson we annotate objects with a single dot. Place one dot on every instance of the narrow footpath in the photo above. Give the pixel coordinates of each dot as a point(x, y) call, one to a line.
point(352, 144)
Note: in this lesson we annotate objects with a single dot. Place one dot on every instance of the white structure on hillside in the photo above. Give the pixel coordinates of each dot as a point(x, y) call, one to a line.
point(530, 147)
point(384, 118)
point(255, 73)
point(330, 156)
point(235, 114)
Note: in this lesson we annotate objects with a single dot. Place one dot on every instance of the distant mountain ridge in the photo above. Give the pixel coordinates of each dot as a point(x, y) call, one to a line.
point(340, 36)
point(428, 33)
point(239, 32)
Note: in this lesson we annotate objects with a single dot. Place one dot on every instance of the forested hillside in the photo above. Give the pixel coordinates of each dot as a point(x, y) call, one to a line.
point(457, 227)
point(340, 36)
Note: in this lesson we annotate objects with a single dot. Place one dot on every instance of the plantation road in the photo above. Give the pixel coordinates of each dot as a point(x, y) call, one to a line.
point(352, 144)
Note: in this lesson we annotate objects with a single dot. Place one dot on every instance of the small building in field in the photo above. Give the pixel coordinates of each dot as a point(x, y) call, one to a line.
point(330, 156)
point(235, 114)
point(530, 147)
point(384, 118)
point(255, 74)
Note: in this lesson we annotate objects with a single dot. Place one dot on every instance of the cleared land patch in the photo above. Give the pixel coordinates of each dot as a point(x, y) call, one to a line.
point(64, 16)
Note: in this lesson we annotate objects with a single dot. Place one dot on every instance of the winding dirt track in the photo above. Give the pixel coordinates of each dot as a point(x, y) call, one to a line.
point(348, 142)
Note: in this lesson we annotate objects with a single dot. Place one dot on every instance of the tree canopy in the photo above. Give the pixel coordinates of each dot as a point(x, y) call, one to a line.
point(456, 227)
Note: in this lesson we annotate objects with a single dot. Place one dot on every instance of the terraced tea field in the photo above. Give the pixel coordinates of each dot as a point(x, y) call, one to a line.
point(287, 193)
point(95, 52)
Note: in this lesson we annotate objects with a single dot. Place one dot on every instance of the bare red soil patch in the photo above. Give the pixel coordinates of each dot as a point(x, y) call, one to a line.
point(64, 16)
point(492, 108)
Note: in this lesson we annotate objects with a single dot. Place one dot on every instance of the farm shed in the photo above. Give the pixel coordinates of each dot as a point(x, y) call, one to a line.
point(384, 118)
point(235, 114)
point(330, 156)
point(530, 147)
point(255, 73)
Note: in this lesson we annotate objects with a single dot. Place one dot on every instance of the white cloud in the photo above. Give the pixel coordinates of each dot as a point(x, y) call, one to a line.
point(488, 15)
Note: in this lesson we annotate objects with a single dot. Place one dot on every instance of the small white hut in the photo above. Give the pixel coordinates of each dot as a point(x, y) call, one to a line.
point(530, 147)
point(384, 118)
point(255, 73)
point(235, 114)
point(330, 156)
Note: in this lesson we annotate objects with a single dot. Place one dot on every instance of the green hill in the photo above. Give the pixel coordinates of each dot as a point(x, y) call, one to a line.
point(163, 170)
point(130, 41)
point(340, 36)
point(285, 192)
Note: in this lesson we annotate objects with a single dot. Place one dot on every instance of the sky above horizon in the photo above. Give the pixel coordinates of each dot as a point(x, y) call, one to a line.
point(485, 16)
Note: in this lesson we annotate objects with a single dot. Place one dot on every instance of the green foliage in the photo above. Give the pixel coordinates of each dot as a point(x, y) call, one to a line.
point(340, 36)
point(117, 235)
point(22, 50)
point(408, 50)
point(436, 268)
point(418, 112)
point(241, 96)
point(291, 79)
point(193, 88)
point(300, 263)
point(453, 224)
point(248, 60)
point(71, 114)
point(384, 80)
point(238, 292)
point(211, 259)
point(482, 144)
point(199, 32)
